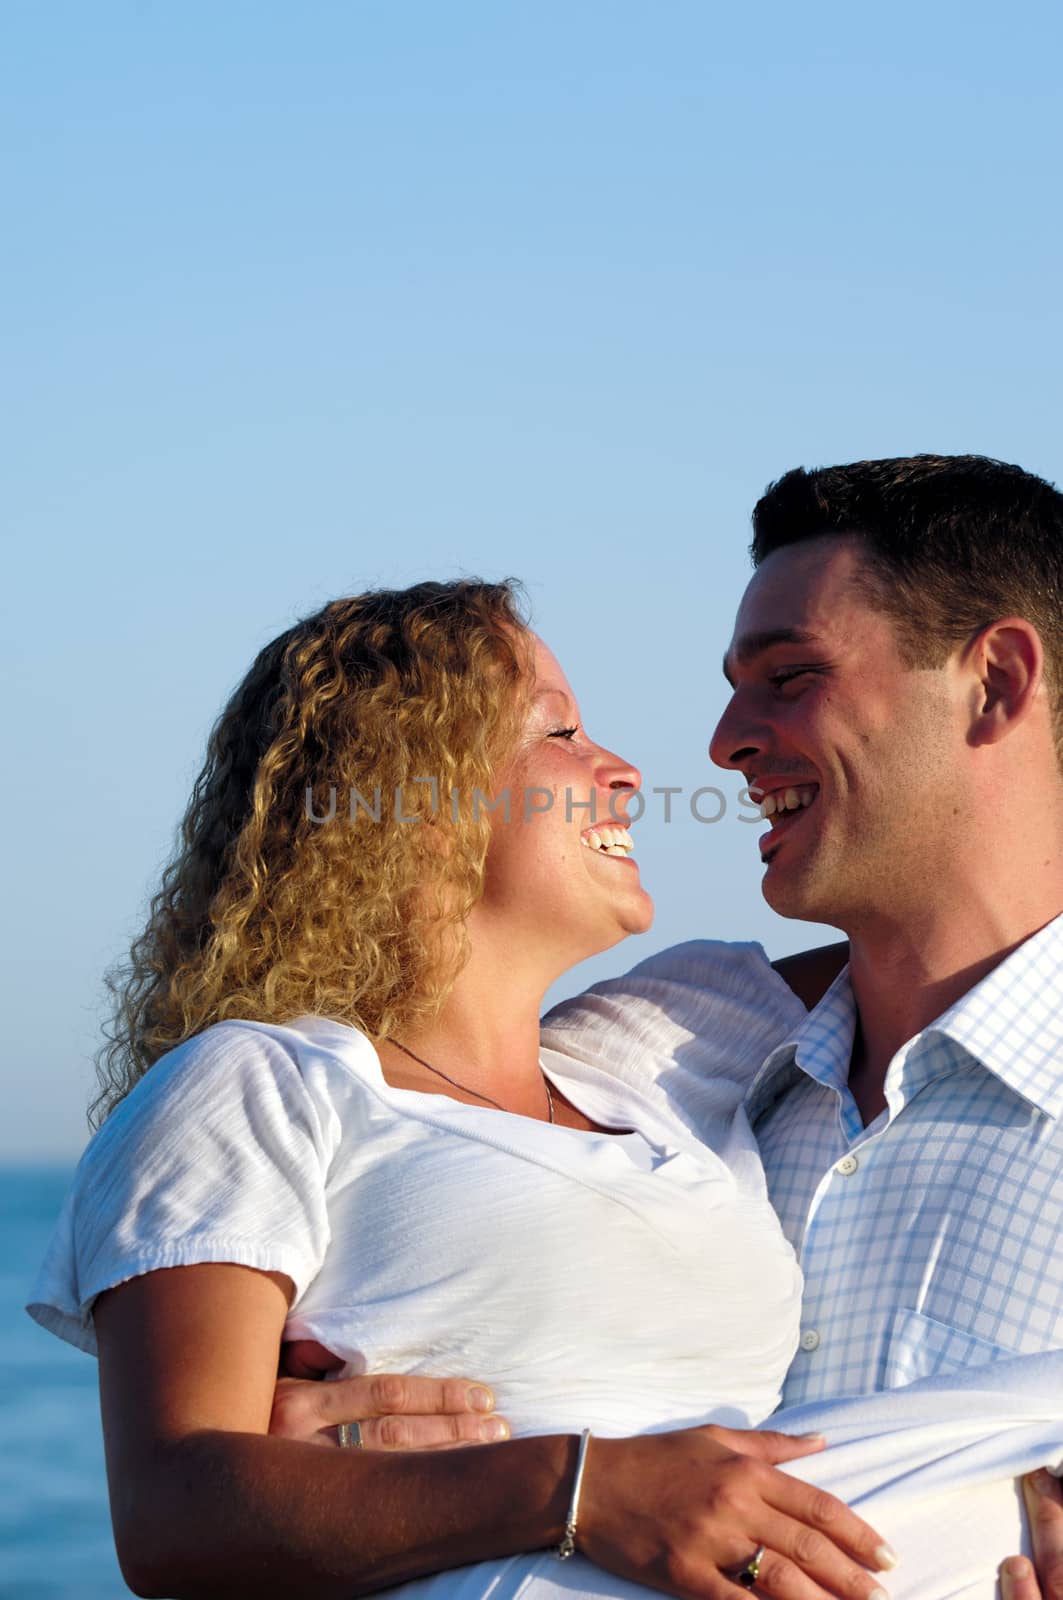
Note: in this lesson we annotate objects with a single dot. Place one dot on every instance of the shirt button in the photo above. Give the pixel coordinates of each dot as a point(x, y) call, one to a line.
point(810, 1339)
point(847, 1166)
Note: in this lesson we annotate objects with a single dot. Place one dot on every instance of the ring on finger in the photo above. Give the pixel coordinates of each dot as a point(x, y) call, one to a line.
point(751, 1571)
point(350, 1436)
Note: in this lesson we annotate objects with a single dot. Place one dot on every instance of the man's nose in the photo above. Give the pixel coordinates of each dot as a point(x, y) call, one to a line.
point(734, 743)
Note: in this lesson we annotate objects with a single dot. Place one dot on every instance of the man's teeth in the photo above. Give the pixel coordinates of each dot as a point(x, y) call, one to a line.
point(609, 841)
point(786, 800)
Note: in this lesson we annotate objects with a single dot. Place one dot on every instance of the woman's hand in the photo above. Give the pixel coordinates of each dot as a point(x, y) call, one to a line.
point(685, 1512)
point(392, 1412)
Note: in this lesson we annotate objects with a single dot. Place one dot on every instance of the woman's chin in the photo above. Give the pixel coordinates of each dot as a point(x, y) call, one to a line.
point(641, 919)
point(636, 916)
point(576, 938)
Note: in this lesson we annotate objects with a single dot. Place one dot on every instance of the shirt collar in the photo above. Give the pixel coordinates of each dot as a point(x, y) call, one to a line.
point(821, 1046)
point(1011, 1022)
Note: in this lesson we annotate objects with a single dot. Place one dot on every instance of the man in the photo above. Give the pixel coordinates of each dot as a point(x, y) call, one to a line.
point(897, 667)
point(899, 656)
point(899, 653)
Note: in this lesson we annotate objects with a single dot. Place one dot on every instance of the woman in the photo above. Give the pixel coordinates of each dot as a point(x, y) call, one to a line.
point(348, 1132)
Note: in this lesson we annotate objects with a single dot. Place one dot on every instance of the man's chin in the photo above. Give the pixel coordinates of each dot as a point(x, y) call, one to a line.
point(790, 894)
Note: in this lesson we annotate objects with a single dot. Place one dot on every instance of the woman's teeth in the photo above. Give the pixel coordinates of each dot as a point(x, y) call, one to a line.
point(786, 800)
point(609, 841)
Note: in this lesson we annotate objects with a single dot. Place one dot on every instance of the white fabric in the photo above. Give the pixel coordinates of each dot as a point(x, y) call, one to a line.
point(425, 1235)
point(931, 1466)
point(591, 1291)
point(933, 1239)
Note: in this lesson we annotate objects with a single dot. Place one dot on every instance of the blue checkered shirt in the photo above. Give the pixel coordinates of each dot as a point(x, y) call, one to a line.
point(933, 1238)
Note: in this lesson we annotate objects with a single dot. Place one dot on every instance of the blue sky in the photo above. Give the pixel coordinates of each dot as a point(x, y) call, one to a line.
point(299, 299)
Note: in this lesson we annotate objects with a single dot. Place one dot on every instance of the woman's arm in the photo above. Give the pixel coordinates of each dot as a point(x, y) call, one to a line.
point(205, 1504)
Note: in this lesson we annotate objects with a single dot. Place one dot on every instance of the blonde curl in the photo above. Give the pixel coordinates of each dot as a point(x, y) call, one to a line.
point(266, 914)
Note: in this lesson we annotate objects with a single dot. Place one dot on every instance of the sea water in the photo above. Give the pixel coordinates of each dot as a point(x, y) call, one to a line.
point(55, 1531)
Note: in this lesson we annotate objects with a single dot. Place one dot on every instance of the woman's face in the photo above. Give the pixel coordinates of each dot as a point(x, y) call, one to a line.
point(561, 880)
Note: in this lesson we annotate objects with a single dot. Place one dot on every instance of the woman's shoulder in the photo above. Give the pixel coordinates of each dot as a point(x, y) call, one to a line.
point(241, 1063)
point(296, 1039)
point(220, 1153)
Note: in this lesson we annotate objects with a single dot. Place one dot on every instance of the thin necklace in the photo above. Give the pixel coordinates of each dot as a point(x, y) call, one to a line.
point(464, 1087)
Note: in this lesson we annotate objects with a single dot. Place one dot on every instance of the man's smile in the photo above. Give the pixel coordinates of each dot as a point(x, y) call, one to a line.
point(783, 802)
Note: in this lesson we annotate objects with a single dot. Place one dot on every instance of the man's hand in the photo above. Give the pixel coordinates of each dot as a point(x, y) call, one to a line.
point(1043, 1580)
point(393, 1413)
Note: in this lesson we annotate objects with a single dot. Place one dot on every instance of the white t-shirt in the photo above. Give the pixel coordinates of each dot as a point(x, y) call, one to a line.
point(622, 1283)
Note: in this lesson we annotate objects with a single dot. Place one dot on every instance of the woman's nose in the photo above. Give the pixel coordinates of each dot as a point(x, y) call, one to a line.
point(621, 774)
point(612, 772)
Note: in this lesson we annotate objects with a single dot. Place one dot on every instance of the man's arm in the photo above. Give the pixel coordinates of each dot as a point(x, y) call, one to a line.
point(1043, 1578)
point(810, 973)
point(392, 1412)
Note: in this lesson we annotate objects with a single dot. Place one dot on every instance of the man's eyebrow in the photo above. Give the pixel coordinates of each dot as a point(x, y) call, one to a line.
point(751, 645)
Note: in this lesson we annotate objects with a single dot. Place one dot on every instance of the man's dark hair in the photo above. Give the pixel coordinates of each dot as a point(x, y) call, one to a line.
point(953, 543)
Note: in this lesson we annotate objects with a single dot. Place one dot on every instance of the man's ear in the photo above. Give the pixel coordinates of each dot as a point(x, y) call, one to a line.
point(1008, 658)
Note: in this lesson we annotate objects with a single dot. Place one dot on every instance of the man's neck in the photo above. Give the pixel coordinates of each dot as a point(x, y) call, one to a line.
point(904, 976)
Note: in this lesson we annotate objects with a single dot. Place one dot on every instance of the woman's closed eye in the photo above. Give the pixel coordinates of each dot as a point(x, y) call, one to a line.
point(563, 733)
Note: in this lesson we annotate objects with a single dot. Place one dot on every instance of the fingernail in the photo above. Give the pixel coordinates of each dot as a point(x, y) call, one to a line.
point(481, 1400)
point(878, 1594)
point(886, 1556)
point(1043, 1481)
point(814, 1438)
point(1015, 1567)
point(494, 1430)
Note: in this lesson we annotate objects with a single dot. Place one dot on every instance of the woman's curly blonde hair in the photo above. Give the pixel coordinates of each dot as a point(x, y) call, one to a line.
point(267, 914)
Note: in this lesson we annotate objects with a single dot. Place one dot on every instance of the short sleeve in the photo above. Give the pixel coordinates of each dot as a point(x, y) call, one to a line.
point(220, 1154)
point(690, 1027)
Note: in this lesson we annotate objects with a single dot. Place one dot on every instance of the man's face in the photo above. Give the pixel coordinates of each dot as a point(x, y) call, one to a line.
point(861, 755)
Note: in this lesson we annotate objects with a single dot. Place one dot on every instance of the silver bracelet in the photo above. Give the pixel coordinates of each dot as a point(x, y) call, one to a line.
point(567, 1547)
